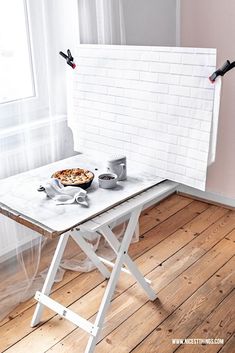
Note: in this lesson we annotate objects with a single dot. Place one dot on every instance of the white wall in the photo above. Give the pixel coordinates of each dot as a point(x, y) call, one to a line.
point(150, 22)
point(210, 23)
point(204, 23)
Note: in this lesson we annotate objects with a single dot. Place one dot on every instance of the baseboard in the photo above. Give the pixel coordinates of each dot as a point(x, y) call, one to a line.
point(210, 197)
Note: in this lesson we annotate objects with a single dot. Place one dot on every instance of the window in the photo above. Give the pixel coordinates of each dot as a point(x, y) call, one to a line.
point(23, 73)
point(16, 75)
point(32, 74)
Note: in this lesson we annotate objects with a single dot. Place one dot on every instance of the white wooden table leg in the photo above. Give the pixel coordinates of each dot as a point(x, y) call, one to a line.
point(140, 278)
point(87, 249)
point(114, 278)
point(50, 276)
point(115, 244)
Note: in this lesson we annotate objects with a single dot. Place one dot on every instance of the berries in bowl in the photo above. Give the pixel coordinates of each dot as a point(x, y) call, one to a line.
point(107, 180)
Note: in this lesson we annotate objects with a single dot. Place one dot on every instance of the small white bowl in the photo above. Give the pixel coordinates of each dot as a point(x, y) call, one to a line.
point(107, 180)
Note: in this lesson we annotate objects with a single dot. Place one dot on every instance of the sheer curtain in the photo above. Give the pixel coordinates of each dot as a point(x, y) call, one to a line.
point(33, 94)
point(33, 126)
point(101, 22)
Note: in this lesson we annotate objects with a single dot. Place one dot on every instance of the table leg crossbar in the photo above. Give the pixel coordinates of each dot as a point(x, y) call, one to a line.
point(122, 258)
point(66, 313)
point(123, 269)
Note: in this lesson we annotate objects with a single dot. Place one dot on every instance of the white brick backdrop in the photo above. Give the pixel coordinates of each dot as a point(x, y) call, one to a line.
point(153, 104)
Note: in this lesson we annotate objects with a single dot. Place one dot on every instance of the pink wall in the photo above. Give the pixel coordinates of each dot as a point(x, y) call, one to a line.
point(211, 24)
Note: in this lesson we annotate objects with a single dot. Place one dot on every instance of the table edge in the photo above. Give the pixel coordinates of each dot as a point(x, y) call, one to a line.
point(52, 233)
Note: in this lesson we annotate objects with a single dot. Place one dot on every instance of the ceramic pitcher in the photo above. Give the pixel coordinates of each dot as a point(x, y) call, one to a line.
point(117, 165)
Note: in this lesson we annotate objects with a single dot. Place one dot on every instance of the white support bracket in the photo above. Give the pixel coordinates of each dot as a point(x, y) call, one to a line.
point(67, 313)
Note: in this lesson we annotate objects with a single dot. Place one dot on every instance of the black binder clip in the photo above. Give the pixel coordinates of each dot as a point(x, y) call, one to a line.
point(68, 58)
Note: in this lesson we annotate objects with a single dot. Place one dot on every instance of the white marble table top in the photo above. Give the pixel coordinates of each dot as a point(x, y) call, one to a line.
point(20, 200)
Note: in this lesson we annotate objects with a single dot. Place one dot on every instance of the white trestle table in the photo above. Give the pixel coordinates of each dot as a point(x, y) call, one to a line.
point(20, 201)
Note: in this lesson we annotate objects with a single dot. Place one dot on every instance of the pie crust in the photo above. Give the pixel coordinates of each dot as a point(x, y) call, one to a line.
point(76, 176)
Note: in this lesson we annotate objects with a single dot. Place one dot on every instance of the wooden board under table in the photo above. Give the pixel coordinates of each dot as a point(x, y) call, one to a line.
point(20, 200)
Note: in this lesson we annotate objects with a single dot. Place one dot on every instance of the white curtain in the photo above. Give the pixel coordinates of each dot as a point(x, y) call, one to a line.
point(33, 127)
point(101, 22)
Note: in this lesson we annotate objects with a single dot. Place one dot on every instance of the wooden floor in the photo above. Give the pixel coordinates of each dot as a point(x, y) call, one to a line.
point(187, 249)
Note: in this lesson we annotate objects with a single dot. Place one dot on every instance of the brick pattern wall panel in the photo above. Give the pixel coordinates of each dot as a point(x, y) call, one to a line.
point(153, 104)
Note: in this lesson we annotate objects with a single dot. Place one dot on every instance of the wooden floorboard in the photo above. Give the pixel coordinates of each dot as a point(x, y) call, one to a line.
point(228, 347)
point(186, 249)
point(193, 312)
point(220, 322)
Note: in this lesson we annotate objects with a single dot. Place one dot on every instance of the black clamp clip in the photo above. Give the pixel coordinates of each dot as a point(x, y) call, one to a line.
point(68, 58)
point(222, 71)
